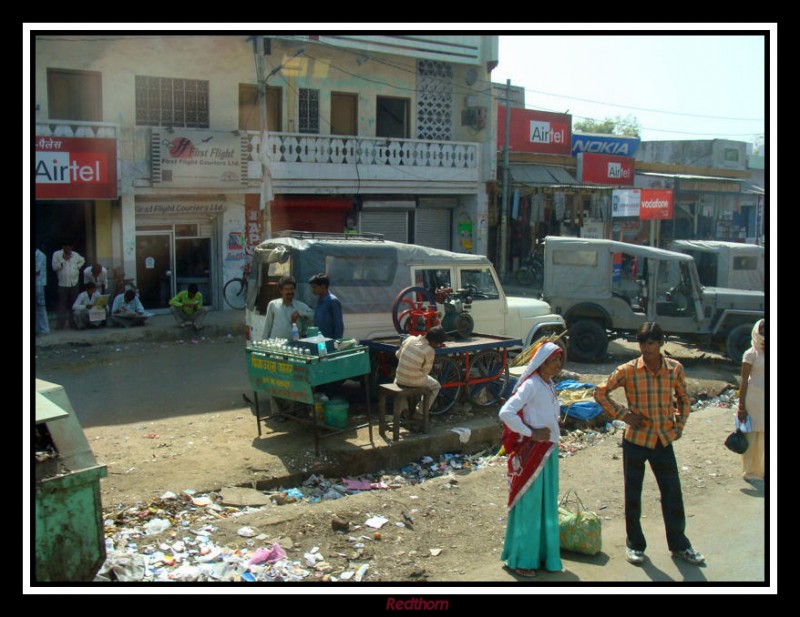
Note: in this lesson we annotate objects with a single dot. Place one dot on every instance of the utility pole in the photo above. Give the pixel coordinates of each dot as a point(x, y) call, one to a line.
point(506, 189)
point(266, 194)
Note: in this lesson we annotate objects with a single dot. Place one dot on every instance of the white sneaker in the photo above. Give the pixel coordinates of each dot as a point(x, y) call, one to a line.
point(633, 556)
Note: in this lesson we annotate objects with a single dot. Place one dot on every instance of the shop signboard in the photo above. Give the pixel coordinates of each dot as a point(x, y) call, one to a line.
point(535, 131)
point(75, 168)
point(618, 145)
point(191, 158)
point(605, 169)
point(647, 204)
point(656, 204)
point(625, 202)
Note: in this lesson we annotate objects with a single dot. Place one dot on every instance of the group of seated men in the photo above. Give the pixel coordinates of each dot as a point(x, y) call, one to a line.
point(91, 306)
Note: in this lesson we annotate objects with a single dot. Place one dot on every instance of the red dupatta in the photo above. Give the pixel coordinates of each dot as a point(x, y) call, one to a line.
point(526, 460)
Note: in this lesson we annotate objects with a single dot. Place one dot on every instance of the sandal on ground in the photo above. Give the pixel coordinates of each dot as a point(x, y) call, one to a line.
point(521, 572)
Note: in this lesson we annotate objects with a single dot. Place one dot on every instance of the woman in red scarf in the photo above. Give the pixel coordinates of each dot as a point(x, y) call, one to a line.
point(531, 440)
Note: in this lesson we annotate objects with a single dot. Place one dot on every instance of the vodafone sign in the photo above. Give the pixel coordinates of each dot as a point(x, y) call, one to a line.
point(656, 204)
point(75, 168)
point(535, 131)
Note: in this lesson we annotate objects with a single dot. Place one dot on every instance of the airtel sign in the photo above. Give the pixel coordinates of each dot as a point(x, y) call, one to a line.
point(75, 168)
point(535, 131)
point(605, 169)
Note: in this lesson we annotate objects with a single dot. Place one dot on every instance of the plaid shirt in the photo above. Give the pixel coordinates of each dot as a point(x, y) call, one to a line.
point(649, 395)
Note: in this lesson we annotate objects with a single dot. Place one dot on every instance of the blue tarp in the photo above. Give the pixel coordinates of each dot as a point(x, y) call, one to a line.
point(582, 410)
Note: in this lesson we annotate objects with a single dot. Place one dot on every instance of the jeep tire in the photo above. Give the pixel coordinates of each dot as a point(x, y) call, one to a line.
point(738, 341)
point(588, 341)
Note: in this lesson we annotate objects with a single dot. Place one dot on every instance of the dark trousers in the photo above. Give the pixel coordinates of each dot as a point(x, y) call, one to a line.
point(66, 298)
point(665, 469)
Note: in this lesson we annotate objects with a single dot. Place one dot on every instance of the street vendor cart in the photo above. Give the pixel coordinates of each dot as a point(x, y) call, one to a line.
point(294, 374)
point(475, 367)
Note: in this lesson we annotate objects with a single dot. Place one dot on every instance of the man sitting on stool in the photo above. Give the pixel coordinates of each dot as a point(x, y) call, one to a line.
point(415, 360)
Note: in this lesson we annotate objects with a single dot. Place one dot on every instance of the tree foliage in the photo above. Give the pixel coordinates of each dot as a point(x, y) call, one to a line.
point(628, 126)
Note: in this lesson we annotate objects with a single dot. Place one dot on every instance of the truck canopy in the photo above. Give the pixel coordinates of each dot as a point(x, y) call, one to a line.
point(366, 273)
point(589, 262)
point(726, 264)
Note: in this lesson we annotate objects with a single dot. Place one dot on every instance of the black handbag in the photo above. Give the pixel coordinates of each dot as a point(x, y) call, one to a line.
point(737, 442)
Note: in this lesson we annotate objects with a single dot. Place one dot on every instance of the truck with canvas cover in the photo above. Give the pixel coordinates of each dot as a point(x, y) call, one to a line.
point(606, 289)
point(367, 274)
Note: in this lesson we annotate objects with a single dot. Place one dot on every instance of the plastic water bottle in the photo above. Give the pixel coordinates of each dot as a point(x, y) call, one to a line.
point(295, 332)
point(322, 346)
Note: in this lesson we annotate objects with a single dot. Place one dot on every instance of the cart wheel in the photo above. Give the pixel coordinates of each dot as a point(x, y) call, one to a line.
point(445, 370)
point(487, 364)
point(405, 302)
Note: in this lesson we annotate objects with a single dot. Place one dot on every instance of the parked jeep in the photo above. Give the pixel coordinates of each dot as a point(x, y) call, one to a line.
point(368, 274)
point(607, 289)
point(725, 264)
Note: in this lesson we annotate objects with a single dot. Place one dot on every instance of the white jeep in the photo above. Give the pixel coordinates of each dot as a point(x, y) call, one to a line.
point(368, 274)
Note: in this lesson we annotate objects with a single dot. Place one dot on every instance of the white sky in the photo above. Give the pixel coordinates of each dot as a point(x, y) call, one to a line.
point(678, 85)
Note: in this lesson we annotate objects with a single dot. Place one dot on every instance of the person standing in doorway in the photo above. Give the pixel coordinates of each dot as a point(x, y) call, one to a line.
point(40, 281)
point(328, 312)
point(657, 411)
point(67, 265)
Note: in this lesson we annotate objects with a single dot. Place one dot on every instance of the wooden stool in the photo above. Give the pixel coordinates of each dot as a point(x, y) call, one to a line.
point(396, 394)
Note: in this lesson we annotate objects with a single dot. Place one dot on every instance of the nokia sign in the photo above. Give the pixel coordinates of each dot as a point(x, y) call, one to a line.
point(617, 145)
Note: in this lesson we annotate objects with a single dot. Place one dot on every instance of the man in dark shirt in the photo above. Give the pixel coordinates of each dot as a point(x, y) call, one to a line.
point(328, 312)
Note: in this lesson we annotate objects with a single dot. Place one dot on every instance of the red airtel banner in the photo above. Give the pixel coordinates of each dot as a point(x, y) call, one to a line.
point(535, 131)
point(605, 169)
point(75, 168)
point(656, 204)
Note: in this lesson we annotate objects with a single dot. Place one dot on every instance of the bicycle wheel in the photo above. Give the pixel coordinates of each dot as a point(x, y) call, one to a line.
point(487, 364)
point(235, 293)
point(445, 370)
point(524, 276)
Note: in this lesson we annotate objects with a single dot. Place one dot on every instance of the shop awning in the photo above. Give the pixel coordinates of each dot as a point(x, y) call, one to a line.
point(752, 189)
point(542, 175)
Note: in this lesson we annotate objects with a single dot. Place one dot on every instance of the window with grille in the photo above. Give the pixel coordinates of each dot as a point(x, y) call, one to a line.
point(435, 100)
point(168, 101)
point(308, 117)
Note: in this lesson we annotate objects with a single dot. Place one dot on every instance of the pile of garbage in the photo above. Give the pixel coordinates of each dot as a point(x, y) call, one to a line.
point(171, 538)
point(727, 398)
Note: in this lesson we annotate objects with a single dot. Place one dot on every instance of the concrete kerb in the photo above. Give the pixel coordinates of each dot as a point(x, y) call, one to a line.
point(160, 327)
point(352, 455)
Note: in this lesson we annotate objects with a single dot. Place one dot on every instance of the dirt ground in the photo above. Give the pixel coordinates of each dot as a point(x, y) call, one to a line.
point(448, 528)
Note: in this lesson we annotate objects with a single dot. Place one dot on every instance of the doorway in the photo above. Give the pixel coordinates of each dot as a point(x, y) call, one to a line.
point(154, 269)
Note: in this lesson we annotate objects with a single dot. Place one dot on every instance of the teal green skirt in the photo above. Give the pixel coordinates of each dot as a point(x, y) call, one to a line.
point(532, 539)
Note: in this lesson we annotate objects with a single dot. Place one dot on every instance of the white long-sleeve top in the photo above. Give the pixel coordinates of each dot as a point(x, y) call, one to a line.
point(68, 270)
point(540, 408)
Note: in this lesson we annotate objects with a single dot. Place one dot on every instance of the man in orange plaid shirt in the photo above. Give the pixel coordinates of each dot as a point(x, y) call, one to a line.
point(658, 407)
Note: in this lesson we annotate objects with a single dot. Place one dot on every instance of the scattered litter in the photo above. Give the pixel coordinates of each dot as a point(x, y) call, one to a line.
point(246, 532)
point(376, 522)
point(463, 433)
point(435, 552)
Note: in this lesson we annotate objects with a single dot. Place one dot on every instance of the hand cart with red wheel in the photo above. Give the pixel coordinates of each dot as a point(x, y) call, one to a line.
point(476, 369)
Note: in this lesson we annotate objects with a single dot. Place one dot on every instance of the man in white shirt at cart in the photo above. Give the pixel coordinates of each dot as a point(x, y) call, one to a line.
point(67, 265)
point(284, 311)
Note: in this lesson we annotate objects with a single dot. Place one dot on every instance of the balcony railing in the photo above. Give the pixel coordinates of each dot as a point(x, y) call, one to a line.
point(344, 150)
point(74, 128)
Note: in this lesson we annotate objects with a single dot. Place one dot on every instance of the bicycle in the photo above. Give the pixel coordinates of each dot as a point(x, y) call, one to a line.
point(235, 290)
